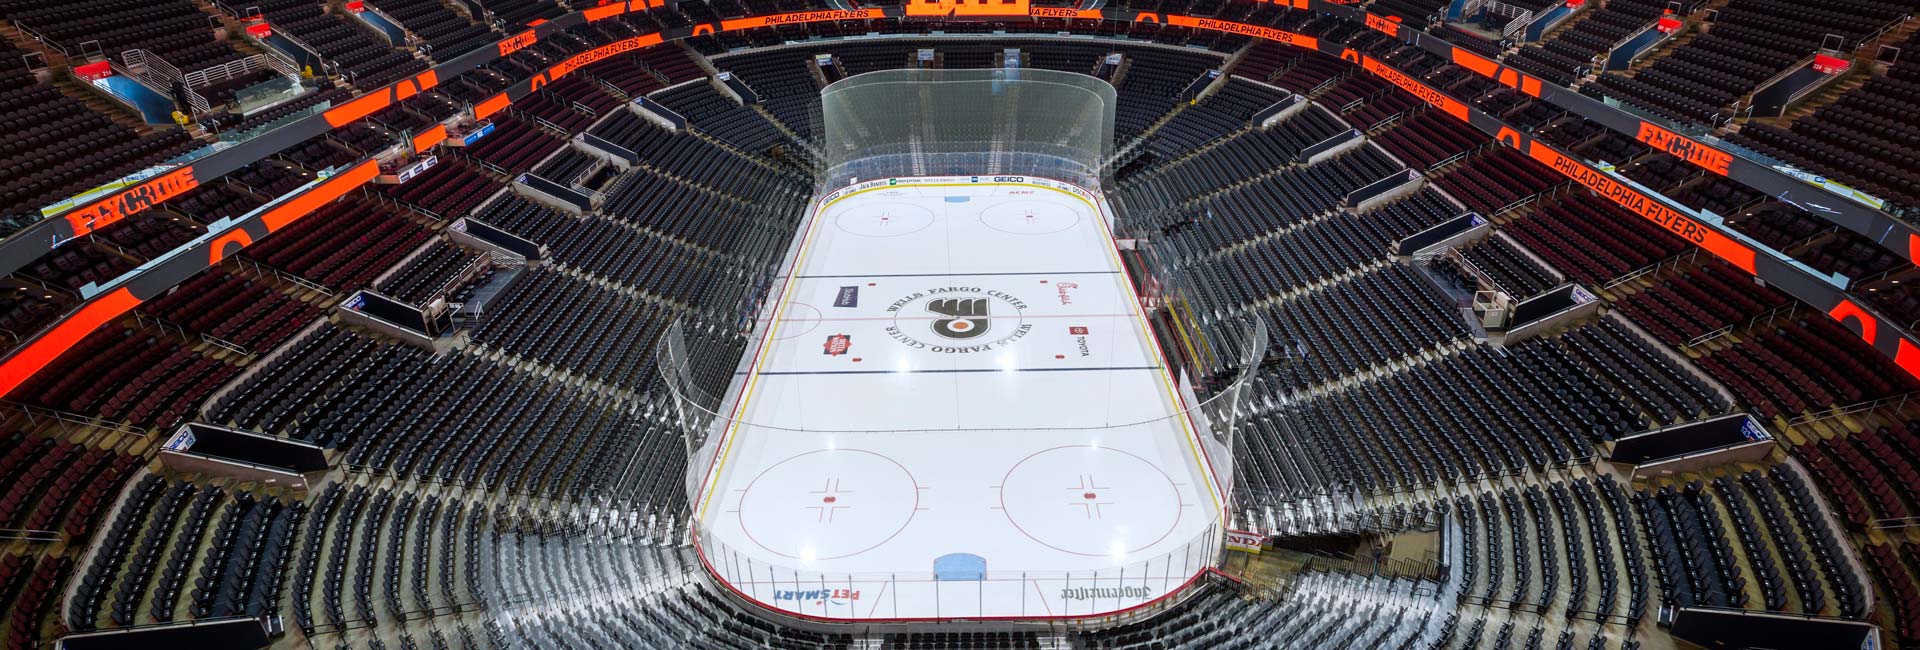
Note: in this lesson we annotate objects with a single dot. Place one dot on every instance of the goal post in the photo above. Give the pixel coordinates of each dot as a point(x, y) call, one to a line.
point(943, 122)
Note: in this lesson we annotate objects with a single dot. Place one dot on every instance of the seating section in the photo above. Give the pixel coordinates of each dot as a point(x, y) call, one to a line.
point(429, 275)
point(1511, 270)
point(353, 51)
point(122, 375)
point(513, 147)
point(452, 188)
point(1593, 241)
point(443, 34)
point(249, 312)
point(1499, 180)
point(525, 485)
point(1703, 301)
point(175, 30)
point(59, 147)
point(1224, 112)
point(719, 116)
point(242, 572)
point(1750, 42)
point(343, 245)
point(1565, 58)
point(518, 13)
point(1864, 139)
point(1805, 366)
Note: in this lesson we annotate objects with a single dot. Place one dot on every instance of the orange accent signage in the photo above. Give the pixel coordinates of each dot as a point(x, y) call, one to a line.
point(1684, 148)
point(592, 56)
point(1066, 12)
point(1426, 93)
point(605, 11)
point(371, 103)
point(490, 106)
point(803, 17)
point(238, 237)
point(1869, 326)
point(1647, 207)
point(517, 42)
point(43, 350)
point(1907, 356)
point(966, 8)
point(425, 140)
point(1480, 65)
point(1389, 25)
point(1244, 29)
point(104, 212)
point(293, 209)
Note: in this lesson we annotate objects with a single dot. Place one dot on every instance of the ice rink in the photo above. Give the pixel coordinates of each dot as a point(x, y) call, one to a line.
point(957, 411)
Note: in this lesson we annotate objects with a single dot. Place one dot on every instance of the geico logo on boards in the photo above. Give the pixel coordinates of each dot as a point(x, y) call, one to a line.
point(1009, 179)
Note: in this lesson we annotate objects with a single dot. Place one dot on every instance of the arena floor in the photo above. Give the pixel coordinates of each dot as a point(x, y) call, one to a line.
point(958, 382)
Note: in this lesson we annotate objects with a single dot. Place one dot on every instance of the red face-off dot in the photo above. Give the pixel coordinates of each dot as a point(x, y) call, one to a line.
point(962, 326)
point(833, 499)
point(1089, 496)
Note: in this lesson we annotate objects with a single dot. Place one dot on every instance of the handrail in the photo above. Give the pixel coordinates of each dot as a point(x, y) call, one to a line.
point(149, 66)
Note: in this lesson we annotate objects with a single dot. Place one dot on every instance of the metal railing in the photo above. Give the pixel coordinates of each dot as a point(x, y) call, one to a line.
point(154, 70)
point(30, 33)
point(240, 68)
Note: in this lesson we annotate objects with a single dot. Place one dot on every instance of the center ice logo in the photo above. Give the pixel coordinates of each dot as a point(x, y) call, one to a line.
point(966, 318)
point(961, 319)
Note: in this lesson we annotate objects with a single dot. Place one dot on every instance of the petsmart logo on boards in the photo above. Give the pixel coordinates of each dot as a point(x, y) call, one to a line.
point(818, 596)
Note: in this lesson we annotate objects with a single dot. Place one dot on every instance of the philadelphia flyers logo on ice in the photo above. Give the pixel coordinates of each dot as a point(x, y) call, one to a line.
point(961, 320)
point(966, 318)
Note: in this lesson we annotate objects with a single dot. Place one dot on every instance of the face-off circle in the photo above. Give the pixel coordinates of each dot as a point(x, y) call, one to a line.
point(828, 504)
point(882, 218)
point(799, 320)
point(1093, 501)
point(1029, 217)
